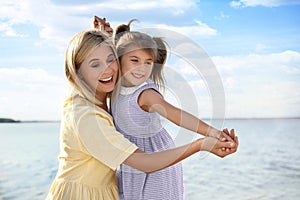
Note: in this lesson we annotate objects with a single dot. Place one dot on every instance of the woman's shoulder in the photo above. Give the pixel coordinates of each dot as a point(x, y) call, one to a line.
point(80, 107)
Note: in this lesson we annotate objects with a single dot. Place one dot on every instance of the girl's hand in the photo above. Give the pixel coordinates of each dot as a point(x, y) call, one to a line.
point(217, 147)
point(222, 136)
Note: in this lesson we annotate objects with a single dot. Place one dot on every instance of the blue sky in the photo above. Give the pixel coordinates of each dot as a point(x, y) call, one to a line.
point(253, 44)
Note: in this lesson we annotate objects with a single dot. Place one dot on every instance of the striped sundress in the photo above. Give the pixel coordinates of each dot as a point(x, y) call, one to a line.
point(146, 131)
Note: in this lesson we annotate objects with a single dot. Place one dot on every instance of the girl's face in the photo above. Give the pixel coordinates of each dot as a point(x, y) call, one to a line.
point(100, 71)
point(136, 67)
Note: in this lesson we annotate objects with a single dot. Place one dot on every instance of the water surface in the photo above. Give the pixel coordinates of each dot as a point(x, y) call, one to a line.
point(266, 166)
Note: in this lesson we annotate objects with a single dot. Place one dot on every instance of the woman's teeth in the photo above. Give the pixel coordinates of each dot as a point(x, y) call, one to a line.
point(106, 79)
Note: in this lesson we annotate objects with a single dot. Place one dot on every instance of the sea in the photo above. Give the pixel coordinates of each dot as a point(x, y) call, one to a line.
point(265, 167)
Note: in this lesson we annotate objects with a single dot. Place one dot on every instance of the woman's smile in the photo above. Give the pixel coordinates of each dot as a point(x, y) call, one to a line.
point(106, 80)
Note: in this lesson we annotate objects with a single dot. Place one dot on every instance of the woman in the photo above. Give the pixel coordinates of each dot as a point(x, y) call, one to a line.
point(90, 147)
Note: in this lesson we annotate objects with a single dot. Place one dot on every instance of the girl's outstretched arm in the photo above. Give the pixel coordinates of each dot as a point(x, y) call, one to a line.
point(152, 101)
point(151, 162)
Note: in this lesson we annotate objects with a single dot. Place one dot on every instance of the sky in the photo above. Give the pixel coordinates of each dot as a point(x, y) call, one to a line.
point(253, 44)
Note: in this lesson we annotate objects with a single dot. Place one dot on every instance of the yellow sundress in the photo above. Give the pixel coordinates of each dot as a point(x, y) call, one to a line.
point(90, 151)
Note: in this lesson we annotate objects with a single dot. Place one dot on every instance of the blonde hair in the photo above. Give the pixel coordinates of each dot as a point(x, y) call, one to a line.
point(79, 48)
point(155, 47)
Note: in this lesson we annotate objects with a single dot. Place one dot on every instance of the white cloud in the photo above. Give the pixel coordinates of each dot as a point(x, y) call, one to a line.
point(57, 23)
point(40, 14)
point(200, 29)
point(221, 16)
point(261, 85)
point(13, 13)
point(284, 62)
point(176, 7)
point(260, 47)
point(265, 3)
point(9, 31)
point(16, 12)
point(194, 88)
point(31, 94)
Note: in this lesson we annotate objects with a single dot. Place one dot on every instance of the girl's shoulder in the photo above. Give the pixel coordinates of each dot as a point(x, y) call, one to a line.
point(137, 90)
point(149, 84)
point(149, 90)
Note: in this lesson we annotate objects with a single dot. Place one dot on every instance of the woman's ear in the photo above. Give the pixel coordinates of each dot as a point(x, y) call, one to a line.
point(79, 74)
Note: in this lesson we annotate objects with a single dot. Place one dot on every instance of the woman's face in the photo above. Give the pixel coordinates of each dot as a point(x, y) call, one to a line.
point(136, 67)
point(100, 71)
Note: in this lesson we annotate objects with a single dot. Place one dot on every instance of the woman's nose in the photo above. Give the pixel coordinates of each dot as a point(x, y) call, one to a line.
point(111, 67)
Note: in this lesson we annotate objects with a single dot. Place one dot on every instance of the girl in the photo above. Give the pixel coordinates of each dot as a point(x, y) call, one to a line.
point(137, 112)
point(90, 147)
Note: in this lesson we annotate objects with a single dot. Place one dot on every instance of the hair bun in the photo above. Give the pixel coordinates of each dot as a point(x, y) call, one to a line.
point(123, 28)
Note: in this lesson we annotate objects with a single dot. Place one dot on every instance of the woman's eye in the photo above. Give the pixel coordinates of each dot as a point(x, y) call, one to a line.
point(95, 65)
point(134, 60)
point(111, 59)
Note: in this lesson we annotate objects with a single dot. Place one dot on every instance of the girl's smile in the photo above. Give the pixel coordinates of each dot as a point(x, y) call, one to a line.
point(137, 75)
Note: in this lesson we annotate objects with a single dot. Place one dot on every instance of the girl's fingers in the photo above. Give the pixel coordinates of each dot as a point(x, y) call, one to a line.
point(226, 136)
point(232, 134)
point(225, 130)
point(236, 140)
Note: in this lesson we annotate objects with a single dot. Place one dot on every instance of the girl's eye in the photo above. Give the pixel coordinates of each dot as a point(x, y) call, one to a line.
point(149, 63)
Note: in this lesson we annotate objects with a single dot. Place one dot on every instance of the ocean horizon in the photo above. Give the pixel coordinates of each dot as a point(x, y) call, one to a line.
point(205, 119)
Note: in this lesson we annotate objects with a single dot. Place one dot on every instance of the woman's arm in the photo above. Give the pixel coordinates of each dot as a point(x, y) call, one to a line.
point(151, 162)
point(152, 101)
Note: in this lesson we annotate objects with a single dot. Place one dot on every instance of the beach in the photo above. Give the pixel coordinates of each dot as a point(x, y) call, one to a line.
point(266, 165)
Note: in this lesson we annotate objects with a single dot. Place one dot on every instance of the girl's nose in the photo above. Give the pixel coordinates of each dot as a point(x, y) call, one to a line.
point(142, 67)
